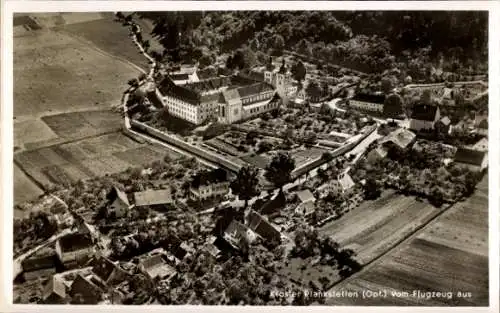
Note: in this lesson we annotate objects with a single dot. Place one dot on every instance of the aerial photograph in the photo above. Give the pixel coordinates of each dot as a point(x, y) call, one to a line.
point(332, 158)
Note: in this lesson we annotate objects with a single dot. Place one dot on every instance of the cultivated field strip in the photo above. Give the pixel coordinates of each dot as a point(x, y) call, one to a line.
point(96, 156)
point(449, 254)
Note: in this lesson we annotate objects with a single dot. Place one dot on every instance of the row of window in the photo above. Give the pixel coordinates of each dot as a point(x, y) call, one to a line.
point(256, 98)
point(262, 108)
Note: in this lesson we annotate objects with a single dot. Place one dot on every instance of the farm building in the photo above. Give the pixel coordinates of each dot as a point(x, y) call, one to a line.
point(424, 117)
point(41, 264)
point(401, 139)
point(75, 249)
point(238, 235)
point(443, 125)
point(55, 291)
point(148, 198)
point(155, 267)
point(262, 227)
point(209, 184)
point(85, 291)
point(306, 202)
point(118, 203)
point(481, 145)
point(474, 160)
point(273, 206)
point(109, 272)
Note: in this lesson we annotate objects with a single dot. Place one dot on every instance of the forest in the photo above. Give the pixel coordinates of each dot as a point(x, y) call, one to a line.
point(368, 41)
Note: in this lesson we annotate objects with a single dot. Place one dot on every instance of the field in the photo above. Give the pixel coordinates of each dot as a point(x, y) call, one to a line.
point(450, 254)
point(110, 36)
point(24, 189)
point(96, 156)
point(373, 227)
point(54, 73)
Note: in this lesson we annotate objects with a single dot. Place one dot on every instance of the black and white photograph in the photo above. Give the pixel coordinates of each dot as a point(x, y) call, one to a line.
point(261, 157)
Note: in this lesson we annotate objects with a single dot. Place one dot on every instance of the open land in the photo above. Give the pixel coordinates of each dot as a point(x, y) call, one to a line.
point(376, 225)
point(453, 247)
point(64, 129)
point(95, 156)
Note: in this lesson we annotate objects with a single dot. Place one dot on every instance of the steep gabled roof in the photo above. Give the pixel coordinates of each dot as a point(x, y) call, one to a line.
point(262, 227)
point(116, 193)
point(469, 156)
point(153, 197)
point(305, 195)
point(273, 205)
point(90, 292)
point(424, 112)
point(254, 89)
point(55, 286)
point(400, 137)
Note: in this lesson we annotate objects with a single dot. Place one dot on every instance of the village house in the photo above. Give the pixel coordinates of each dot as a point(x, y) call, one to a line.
point(481, 125)
point(54, 291)
point(75, 249)
point(342, 184)
point(476, 161)
point(155, 267)
point(443, 126)
point(424, 117)
point(481, 145)
point(400, 138)
point(238, 235)
point(306, 202)
point(262, 227)
point(367, 102)
point(118, 204)
point(39, 265)
point(273, 206)
point(209, 184)
point(376, 154)
point(86, 290)
point(108, 272)
point(153, 198)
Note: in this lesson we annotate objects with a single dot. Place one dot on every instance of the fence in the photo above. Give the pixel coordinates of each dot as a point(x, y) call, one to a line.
point(339, 151)
point(197, 151)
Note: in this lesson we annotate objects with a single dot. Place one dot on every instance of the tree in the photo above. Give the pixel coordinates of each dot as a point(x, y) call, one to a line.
point(205, 60)
point(372, 189)
point(279, 45)
point(279, 171)
point(246, 184)
point(313, 90)
point(298, 71)
point(393, 106)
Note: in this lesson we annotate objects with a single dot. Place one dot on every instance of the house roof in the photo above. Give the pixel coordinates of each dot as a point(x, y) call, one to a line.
point(305, 195)
point(55, 286)
point(153, 197)
point(273, 205)
point(345, 181)
point(424, 112)
point(37, 262)
point(179, 76)
point(236, 233)
point(483, 124)
point(74, 242)
point(469, 156)
point(372, 98)
point(90, 292)
point(480, 144)
point(445, 120)
point(254, 89)
point(400, 137)
point(262, 227)
point(155, 266)
point(103, 268)
point(116, 193)
point(209, 177)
